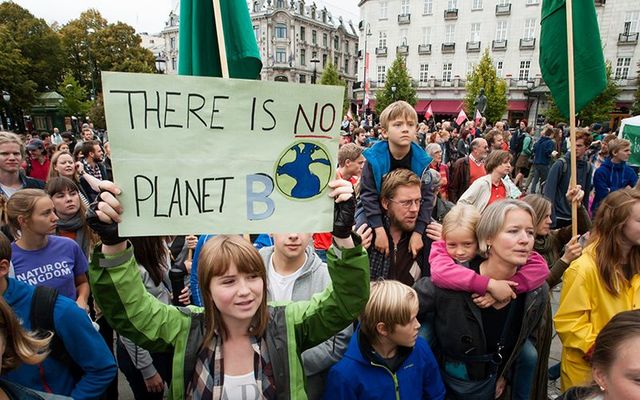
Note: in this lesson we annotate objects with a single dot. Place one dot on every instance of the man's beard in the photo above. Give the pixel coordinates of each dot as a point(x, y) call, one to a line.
point(405, 227)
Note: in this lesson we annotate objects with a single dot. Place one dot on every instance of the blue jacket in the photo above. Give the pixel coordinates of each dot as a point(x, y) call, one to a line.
point(542, 150)
point(355, 377)
point(610, 177)
point(558, 183)
point(379, 158)
point(83, 343)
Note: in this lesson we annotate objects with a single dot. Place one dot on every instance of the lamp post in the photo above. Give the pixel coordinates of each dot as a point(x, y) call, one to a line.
point(6, 97)
point(530, 85)
point(91, 31)
point(367, 33)
point(393, 92)
point(315, 62)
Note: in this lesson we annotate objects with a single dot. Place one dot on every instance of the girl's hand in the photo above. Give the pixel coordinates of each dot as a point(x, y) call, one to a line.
point(155, 384)
point(185, 295)
point(382, 241)
point(502, 290)
point(485, 301)
point(572, 250)
point(415, 244)
point(366, 234)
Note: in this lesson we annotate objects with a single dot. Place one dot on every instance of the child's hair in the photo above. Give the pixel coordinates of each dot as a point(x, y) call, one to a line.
point(461, 216)
point(216, 257)
point(349, 151)
point(615, 145)
point(397, 110)
point(22, 204)
point(613, 337)
point(391, 303)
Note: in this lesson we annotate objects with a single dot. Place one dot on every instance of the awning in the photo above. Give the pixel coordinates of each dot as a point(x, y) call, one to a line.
point(439, 106)
point(517, 105)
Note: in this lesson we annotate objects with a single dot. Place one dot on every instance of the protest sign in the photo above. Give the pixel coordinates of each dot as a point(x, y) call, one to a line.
point(630, 130)
point(211, 155)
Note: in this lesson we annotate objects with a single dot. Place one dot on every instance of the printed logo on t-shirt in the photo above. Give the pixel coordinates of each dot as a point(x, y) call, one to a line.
point(42, 274)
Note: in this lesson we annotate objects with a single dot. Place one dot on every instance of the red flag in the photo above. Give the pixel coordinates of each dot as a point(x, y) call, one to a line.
point(429, 113)
point(478, 117)
point(461, 117)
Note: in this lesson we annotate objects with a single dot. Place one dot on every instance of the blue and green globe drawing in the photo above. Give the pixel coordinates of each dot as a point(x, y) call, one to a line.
point(303, 171)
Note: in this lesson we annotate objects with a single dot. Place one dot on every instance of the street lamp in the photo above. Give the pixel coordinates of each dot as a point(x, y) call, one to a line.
point(393, 91)
point(366, 67)
point(7, 98)
point(315, 62)
point(530, 85)
point(91, 31)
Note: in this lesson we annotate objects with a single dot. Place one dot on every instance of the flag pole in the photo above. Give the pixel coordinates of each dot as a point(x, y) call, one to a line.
point(572, 114)
point(217, 16)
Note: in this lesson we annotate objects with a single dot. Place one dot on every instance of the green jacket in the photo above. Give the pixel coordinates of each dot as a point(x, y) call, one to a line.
point(293, 327)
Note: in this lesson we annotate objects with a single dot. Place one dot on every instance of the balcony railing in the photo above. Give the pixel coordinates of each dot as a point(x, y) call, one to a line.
point(499, 45)
point(404, 19)
point(473, 47)
point(448, 48)
point(527, 44)
point(451, 14)
point(503, 9)
point(628, 39)
point(404, 49)
point(600, 3)
point(381, 51)
point(424, 49)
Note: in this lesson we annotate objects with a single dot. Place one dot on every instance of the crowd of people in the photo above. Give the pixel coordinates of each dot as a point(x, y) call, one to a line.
point(434, 283)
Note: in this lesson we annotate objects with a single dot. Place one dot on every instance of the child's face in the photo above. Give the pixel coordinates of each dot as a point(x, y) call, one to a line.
point(461, 244)
point(406, 335)
point(401, 131)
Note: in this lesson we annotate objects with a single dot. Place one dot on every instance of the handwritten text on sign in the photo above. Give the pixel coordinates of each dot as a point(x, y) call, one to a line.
point(210, 155)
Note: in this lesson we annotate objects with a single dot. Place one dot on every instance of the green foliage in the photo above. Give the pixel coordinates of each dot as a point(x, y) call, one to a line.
point(484, 76)
point(635, 109)
point(398, 77)
point(597, 110)
point(330, 76)
point(14, 76)
point(96, 113)
point(75, 96)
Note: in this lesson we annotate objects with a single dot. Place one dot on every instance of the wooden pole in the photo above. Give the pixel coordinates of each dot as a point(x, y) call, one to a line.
point(217, 17)
point(572, 114)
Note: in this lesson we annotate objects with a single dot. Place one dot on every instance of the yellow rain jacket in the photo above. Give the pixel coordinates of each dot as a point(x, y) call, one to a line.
point(585, 308)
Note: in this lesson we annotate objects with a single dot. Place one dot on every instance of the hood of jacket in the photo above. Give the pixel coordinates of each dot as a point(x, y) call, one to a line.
point(361, 351)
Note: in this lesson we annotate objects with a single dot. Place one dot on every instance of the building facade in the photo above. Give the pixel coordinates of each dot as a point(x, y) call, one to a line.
point(170, 36)
point(297, 41)
point(156, 44)
point(442, 40)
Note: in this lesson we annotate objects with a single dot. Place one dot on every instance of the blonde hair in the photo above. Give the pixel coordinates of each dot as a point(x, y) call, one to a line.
point(461, 216)
point(53, 173)
point(397, 110)
point(349, 151)
point(21, 204)
point(391, 303)
point(493, 219)
point(10, 137)
point(217, 255)
point(616, 145)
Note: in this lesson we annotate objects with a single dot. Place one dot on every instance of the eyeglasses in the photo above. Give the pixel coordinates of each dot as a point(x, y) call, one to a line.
point(407, 203)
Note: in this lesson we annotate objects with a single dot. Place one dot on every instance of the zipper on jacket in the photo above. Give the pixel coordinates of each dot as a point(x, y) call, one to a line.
point(393, 376)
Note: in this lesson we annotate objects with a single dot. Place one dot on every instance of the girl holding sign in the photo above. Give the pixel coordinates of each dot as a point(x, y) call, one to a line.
point(236, 344)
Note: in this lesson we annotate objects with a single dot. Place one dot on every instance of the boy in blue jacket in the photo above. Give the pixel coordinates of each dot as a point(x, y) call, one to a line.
point(386, 358)
point(614, 173)
point(82, 342)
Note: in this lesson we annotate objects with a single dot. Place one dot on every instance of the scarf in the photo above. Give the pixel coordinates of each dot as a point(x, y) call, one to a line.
point(207, 382)
point(75, 224)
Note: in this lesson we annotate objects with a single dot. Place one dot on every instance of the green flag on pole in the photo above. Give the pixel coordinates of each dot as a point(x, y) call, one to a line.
point(590, 70)
point(198, 51)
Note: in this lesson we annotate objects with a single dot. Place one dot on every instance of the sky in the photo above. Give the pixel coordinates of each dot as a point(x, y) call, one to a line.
point(145, 15)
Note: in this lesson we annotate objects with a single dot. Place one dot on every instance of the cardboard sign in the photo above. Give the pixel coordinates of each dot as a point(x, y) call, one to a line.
point(632, 134)
point(210, 155)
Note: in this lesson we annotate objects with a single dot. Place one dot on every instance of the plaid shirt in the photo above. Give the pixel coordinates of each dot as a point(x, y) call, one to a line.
point(95, 171)
point(208, 378)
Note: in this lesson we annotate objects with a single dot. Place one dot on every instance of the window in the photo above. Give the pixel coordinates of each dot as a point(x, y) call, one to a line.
point(529, 28)
point(256, 32)
point(314, 54)
point(280, 3)
point(525, 66)
point(405, 7)
point(382, 39)
point(501, 30)
point(475, 32)
point(281, 55)
point(281, 31)
point(499, 69)
point(381, 74)
point(303, 57)
point(174, 64)
point(172, 43)
point(503, 2)
point(622, 68)
point(632, 19)
point(530, 2)
point(404, 37)
point(355, 67)
point(426, 35)
point(324, 60)
point(424, 73)
point(428, 7)
point(314, 37)
point(384, 7)
point(452, 4)
point(346, 47)
point(446, 72)
point(476, 5)
point(335, 61)
point(336, 43)
point(470, 67)
point(346, 65)
point(325, 40)
point(303, 78)
point(449, 34)
point(303, 35)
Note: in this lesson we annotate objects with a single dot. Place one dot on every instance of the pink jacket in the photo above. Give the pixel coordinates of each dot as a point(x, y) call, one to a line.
point(446, 274)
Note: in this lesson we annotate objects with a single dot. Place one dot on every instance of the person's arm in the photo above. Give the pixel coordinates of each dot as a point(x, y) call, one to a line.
point(82, 291)
point(470, 196)
point(87, 349)
point(321, 357)
point(140, 358)
point(425, 289)
point(340, 386)
point(93, 182)
point(196, 297)
point(531, 275)
point(551, 187)
point(426, 207)
point(432, 385)
point(370, 198)
point(601, 189)
point(446, 274)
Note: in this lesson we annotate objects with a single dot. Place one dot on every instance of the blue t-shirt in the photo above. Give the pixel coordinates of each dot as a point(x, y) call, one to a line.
point(56, 265)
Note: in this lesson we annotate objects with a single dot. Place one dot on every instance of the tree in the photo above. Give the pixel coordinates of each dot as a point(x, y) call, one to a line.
point(484, 76)
point(635, 109)
point(597, 110)
point(14, 76)
point(398, 78)
point(330, 77)
point(93, 45)
point(75, 97)
point(96, 113)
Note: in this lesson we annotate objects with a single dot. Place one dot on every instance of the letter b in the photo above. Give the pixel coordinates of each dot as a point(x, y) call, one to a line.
point(259, 196)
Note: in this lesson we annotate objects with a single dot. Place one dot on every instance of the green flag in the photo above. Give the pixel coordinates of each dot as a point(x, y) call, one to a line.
point(589, 67)
point(198, 49)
